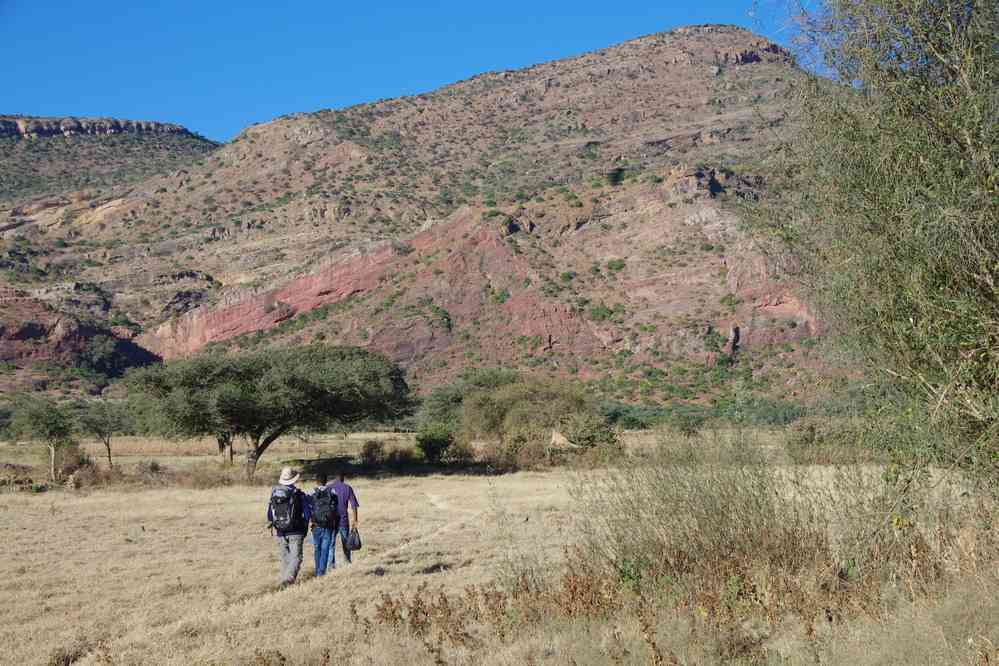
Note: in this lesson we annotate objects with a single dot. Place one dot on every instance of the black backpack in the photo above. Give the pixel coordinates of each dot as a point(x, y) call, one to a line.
point(286, 508)
point(324, 507)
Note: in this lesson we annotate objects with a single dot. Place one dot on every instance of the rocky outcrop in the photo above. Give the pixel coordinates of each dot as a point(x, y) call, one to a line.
point(32, 331)
point(29, 127)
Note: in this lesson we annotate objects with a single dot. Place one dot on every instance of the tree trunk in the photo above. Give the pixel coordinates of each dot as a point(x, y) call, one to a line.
point(52, 452)
point(107, 445)
point(252, 455)
point(256, 449)
point(225, 447)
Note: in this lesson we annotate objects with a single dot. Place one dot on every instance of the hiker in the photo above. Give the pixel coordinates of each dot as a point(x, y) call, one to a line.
point(288, 514)
point(325, 518)
point(346, 502)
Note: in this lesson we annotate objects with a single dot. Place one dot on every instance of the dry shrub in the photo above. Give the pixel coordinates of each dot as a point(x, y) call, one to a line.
point(401, 458)
point(93, 476)
point(817, 441)
point(517, 420)
point(215, 475)
point(70, 458)
point(736, 542)
point(69, 654)
point(460, 453)
point(373, 453)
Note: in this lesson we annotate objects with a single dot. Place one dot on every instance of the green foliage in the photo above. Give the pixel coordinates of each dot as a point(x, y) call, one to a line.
point(434, 440)
point(41, 419)
point(261, 396)
point(589, 429)
point(518, 418)
point(102, 420)
point(890, 199)
point(444, 403)
point(615, 265)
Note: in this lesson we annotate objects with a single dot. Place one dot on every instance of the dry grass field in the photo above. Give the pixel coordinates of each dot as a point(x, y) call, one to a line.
point(161, 574)
point(189, 576)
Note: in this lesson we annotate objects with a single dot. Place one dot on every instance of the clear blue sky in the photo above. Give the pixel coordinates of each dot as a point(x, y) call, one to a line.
point(217, 66)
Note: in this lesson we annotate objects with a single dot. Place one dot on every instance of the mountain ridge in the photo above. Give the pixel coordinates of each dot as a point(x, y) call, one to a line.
point(30, 127)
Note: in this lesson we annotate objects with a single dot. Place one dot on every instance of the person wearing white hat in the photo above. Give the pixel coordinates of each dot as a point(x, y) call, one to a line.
point(288, 513)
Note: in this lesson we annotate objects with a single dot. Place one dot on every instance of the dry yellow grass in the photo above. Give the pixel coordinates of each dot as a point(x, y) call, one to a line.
point(172, 576)
point(164, 575)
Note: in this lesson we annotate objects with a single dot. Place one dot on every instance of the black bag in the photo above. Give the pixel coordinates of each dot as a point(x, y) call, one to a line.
point(324, 508)
point(354, 540)
point(286, 508)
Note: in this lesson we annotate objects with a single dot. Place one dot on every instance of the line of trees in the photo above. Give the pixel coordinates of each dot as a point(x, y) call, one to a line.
point(257, 396)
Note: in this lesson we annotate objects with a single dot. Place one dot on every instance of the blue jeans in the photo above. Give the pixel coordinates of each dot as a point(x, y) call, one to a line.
point(322, 539)
point(344, 532)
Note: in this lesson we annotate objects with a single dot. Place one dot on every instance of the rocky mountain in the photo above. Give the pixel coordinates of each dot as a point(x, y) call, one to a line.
point(45, 157)
point(578, 217)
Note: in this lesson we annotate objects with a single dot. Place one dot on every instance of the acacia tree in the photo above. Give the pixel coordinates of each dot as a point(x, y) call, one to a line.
point(178, 400)
point(102, 420)
point(271, 393)
point(889, 199)
point(41, 419)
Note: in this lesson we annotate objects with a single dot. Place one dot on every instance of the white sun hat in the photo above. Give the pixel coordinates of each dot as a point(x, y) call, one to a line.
point(289, 477)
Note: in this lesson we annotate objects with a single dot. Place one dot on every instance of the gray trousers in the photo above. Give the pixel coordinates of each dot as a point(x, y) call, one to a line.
point(290, 550)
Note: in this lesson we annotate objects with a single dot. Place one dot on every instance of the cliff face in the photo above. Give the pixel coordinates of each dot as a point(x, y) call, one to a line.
point(27, 127)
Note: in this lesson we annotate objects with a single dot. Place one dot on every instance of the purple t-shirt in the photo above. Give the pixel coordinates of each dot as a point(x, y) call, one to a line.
point(344, 496)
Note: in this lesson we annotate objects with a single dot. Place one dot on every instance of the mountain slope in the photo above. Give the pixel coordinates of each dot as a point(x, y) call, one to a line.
point(571, 216)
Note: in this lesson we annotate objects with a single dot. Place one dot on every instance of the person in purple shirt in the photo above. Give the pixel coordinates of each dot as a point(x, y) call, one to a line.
point(347, 508)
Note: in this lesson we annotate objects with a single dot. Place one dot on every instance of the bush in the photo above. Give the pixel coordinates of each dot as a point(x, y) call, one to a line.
point(589, 430)
point(434, 440)
point(517, 420)
point(150, 468)
point(372, 453)
point(71, 458)
point(459, 453)
point(401, 458)
point(738, 539)
point(688, 424)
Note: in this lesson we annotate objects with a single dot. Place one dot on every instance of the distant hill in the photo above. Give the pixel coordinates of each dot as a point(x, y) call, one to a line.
point(572, 217)
point(50, 156)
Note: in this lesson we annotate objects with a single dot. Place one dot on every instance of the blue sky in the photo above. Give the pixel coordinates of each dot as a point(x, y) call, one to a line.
point(217, 66)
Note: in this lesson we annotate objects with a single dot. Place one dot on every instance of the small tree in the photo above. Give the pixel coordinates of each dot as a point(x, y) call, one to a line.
point(42, 419)
point(263, 395)
point(102, 420)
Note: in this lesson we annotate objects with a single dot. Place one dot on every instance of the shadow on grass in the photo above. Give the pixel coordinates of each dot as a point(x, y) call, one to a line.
point(350, 467)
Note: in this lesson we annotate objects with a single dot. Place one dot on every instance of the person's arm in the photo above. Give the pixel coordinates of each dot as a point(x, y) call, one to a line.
point(307, 508)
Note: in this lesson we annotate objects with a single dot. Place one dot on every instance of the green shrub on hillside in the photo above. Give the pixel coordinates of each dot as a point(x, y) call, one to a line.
point(434, 440)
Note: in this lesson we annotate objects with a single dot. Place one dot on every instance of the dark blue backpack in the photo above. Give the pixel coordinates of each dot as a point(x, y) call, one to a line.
point(286, 508)
point(324, 507)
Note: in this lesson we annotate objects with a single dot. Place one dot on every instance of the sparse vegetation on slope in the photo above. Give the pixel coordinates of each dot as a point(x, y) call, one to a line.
point(46, 166)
